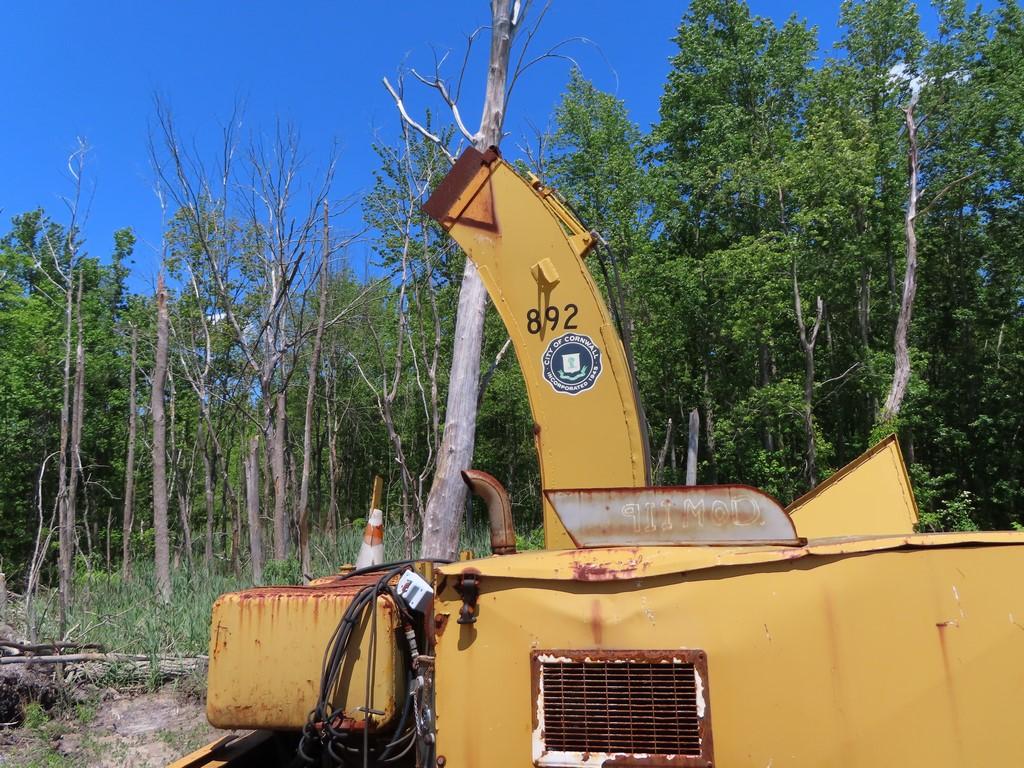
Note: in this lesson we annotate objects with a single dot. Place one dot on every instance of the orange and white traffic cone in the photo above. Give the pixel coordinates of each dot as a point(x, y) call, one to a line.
point(372, 550)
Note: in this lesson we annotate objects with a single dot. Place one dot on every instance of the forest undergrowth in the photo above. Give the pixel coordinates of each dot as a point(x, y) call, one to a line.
point(122, 615)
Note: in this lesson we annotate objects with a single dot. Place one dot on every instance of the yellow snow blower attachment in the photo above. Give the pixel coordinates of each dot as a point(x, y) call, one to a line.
point(671, 627)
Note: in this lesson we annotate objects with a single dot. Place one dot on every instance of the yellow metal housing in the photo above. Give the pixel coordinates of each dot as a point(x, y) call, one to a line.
point(266, 655)
point(871, 495)
point(860, 652)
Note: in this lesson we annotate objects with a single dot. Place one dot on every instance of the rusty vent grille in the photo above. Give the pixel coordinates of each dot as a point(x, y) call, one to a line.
point(649, 703)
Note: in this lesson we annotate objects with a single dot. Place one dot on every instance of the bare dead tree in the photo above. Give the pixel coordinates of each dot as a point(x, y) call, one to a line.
point(336, 412)
point(64, 256)
point(69, 493)
point(65, 533)
point(252, 507)
point(386, 387)
point(254, 230)
point(160, 527)
point(198, 375)
point(901, 373)
point(128, 515)
point(181, 471)
point(807, 344)
point(44, 535)
point(901, 345)
point(209, 494)
point(77, 422)
point(312, 375)
point(404, 368)
point(663, 453)
point(448, 493)
point(692, 443)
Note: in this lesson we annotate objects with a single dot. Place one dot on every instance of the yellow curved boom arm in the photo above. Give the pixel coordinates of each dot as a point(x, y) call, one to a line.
point(529, 249)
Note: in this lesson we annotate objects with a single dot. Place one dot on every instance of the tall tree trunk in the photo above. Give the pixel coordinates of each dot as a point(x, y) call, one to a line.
point(65, 532)
point(312, 375)
point(277, 469)
point(162, 535)
point(127, 518)
point(901, 374)
point(691, 447)
point(209, 490)
point(333, 469)
point(448, 492)
point(234, 510)
point(252, 506)
point(765, 366)
point(709, 431)
point(807, 344)
point(180, 480)
point(110, 523)
point(78, 407)
point(266, 473)
point(291, 517)
point(811, 445)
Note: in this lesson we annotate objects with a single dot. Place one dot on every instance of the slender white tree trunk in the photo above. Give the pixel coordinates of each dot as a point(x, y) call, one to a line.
point(808, 341)
point(901, 372)
point(692, 441)
point(277, 470)
point(129, 468)
point(448, 493)
point(180, 480)
point(312, 375)
point(162, 535)
point(70, 497)
point(64, 539)
point(252, 506)
point(209, 481)
point(333, 464)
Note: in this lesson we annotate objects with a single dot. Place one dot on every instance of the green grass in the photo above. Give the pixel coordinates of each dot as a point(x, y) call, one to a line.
point(36, 717)
point(42, 731)
point(125, 617)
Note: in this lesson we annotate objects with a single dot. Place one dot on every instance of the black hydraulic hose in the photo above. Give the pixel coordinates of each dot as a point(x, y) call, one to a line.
point(320, 724)
point(401, 720)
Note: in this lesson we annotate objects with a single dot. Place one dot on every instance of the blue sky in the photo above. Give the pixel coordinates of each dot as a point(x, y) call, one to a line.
point(91, 69)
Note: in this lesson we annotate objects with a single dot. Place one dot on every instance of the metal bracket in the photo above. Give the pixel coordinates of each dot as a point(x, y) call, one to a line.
point(468, 587)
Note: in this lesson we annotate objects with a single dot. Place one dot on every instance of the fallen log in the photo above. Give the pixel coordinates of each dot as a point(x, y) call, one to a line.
point(55, 647)
point(74, 658)
point(137, 665)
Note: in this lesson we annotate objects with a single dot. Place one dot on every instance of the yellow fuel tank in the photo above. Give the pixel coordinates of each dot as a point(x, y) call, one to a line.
point(267, 649)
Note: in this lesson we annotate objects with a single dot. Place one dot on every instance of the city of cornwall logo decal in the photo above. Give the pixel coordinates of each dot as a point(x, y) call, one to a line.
point(571, 363)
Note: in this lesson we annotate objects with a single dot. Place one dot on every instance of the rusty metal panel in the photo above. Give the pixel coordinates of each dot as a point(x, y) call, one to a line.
point(624, 563)
point(626, 707)
point(267, 648)
point(871, 495)
point(529, 251)
point(698, 514)
point(845, 656)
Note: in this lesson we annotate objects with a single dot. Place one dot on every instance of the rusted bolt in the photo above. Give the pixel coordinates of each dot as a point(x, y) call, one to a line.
point(441, 761)
point(440, 622)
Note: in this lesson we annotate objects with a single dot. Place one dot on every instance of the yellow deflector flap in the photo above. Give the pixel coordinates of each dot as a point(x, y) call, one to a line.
point(870, 495)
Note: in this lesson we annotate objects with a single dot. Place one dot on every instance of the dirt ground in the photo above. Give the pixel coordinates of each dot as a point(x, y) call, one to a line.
point(147, 730)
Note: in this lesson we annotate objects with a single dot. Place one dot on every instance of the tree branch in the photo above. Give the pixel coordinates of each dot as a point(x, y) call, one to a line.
point(416, 126)
point(943, 191)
